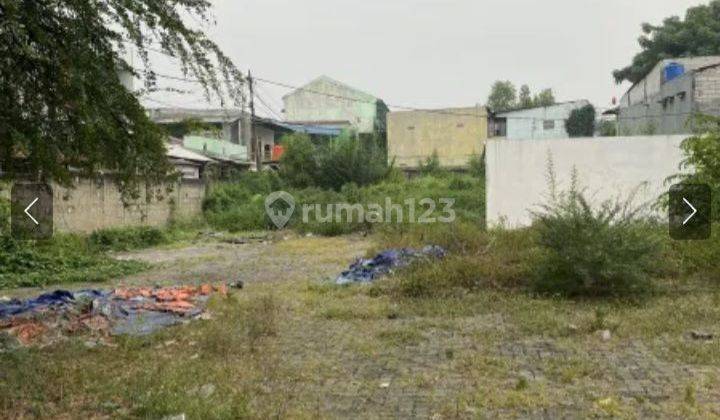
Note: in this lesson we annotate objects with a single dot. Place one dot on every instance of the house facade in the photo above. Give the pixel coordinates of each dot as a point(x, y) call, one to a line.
point(539, 123)
point(325, 102)
point(455, 134)
point(665, 100)
point(229, 140)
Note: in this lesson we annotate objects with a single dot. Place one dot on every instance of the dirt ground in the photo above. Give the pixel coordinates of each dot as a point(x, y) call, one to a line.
point(345, 352)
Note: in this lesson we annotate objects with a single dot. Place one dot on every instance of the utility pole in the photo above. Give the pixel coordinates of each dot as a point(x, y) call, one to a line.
point(253, 135)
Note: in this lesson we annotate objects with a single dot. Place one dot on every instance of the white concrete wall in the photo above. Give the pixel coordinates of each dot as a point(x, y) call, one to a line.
point(608, 168)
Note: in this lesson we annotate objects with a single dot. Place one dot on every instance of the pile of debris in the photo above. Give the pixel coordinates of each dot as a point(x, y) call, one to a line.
point(366, 270)
point(133, 311)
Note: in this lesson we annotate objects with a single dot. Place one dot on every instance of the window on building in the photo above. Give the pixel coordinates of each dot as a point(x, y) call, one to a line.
point(549, 125)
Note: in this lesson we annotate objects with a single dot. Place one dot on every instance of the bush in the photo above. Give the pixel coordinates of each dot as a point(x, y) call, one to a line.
point(63, 259)
point(607, 128)
point(581, 122)
point(298, 164)
point(350, 158)
point(587, 252)
point(240, 206)
point(476, 166)
point(124, 239)
point(347, 158)
point(431, 165)
point(477, 260)
point(701, 158)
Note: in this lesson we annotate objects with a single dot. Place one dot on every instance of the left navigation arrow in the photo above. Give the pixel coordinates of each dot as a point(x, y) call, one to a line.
point(28, 208)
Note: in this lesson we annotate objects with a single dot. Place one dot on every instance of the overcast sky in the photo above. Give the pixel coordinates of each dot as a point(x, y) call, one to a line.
point(435, 53)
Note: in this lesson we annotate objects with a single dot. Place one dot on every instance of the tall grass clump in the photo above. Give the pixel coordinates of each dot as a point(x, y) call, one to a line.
point(609, 250)
point(125, 239)
point(345, 159)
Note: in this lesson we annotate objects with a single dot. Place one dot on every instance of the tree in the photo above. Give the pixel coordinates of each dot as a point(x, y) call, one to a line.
point(701, 158)
point(525, 99)
point(581, 122)
point(503, 96)
point(697, 35)
point(544, 98)
point(299, 162)
point(62, 104)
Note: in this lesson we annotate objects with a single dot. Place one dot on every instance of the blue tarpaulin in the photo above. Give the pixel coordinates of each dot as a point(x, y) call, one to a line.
point(367, 270)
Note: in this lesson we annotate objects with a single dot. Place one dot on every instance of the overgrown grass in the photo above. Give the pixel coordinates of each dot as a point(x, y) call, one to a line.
point(241, 206)
point(125, 239)
point(63, 259)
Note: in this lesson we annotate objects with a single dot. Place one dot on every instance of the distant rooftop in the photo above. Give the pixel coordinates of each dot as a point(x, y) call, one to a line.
point(175, 115)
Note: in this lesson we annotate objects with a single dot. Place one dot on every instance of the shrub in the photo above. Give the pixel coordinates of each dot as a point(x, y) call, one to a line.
point(701, 158)
point(477, 259)
point(350, 158)
point(476, 166)
point(4, 209)
point(607, 128)
point(581, 122)
point(431, 165)
point(589, 252)
point(124, 239)
point(299, 164)
point(62, 259)
point(347, 158)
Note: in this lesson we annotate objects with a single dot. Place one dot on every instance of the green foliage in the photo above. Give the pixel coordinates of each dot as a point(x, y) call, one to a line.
point(503, 96)
point(125, 239)
point(525, 99)
point(431, 165)
point(64, 259)
point(581, 122)
point(593, 252)
point(240, 206)
point(193, 126)
point(4, 209)
point(607, 128)
point(299, 163)
point(544, 98)
point(701, 158)
point(347, 158)
point(696, 35)
point(476, 165)
point(477, 259)
point(62, 102)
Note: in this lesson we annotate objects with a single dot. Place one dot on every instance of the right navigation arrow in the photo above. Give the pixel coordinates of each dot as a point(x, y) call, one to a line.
point(694, 211)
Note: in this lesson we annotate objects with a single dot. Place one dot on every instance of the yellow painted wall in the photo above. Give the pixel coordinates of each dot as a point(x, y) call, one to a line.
point(455, 133)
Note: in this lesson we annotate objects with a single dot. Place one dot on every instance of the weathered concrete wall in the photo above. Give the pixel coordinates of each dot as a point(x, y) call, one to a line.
point(325, 100)
point(93, 205)
point(665, 112)
point(608, 168)
point(707, 91)
point(455, 133)
point(642, 91)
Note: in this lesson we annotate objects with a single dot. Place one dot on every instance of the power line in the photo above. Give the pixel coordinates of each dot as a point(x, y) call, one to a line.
point(264, 104)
